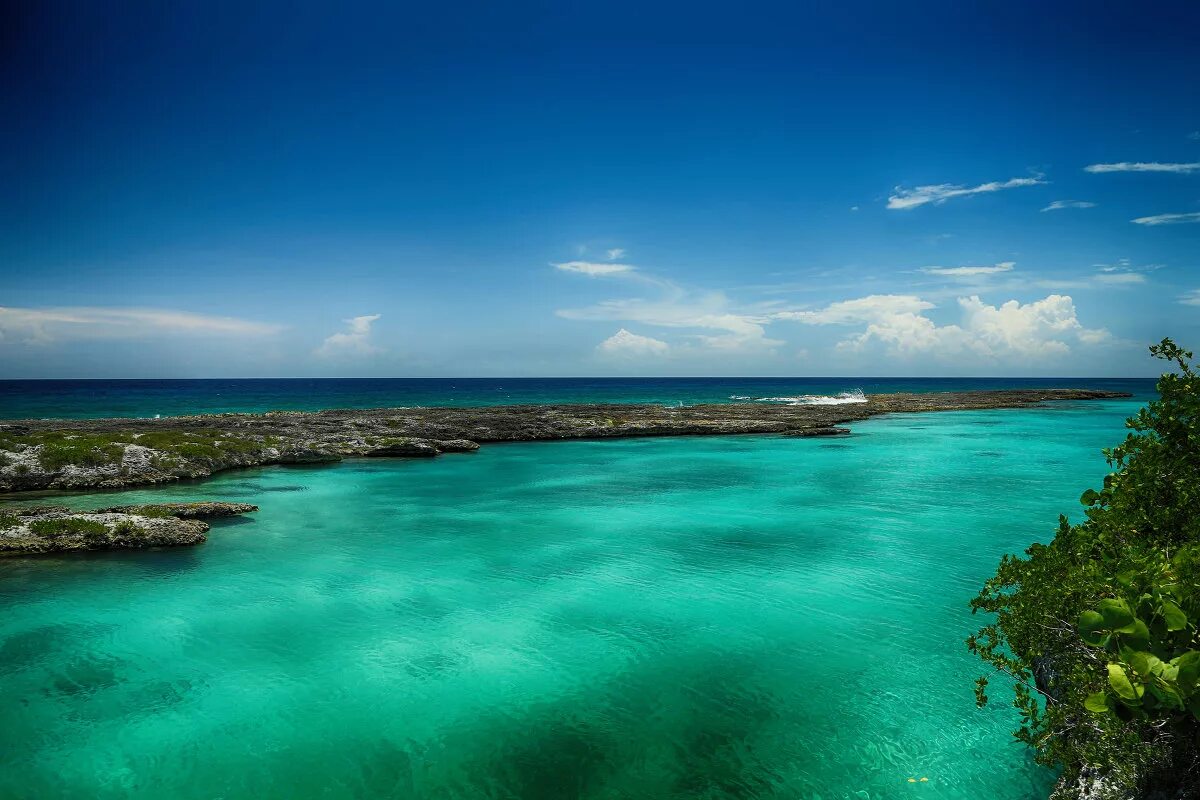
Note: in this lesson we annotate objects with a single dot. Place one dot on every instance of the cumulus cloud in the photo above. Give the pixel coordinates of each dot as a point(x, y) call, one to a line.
point(1169, 219)
point(43, 325)
point(592, 268)
point(352, 342)
point(630, 345)
point(1011, 331)
point(1059, 205)
point(938, 193)
point(1143, 166)
point(970, 272)
point(1038, 328)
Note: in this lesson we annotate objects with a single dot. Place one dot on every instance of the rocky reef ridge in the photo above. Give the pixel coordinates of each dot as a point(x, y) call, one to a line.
point(53, 529)
point(113, 453)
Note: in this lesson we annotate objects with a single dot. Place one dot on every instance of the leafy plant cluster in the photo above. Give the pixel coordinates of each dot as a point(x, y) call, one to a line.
point(1098, 629)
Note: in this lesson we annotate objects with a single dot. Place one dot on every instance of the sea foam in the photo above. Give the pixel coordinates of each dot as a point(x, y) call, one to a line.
point(855, 396)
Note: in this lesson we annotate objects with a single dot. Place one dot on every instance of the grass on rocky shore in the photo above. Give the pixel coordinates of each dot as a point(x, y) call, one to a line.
point(60, 449)
point(68, 526)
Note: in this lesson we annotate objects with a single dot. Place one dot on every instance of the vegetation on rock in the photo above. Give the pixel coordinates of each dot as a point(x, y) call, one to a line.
point(1098, 629)
point(68, 526)
point(59, 449)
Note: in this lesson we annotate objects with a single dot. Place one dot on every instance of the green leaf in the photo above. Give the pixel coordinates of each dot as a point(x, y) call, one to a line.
point(1136, 635)
point(1117, 616)
point(1090, 497)
point(1118, 679)
point(1173, 615)
point(1092, 628)
point(1189, 670)
point(1144, 664)
point(1097, 703)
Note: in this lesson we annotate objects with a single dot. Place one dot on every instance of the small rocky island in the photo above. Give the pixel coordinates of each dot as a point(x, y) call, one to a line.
point(38, 455)
point(53, 529)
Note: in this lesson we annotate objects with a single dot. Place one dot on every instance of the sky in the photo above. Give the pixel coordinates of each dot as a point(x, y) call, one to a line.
point(219, 189)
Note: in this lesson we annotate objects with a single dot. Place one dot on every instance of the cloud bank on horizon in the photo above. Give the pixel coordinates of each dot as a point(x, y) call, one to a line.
point(460, 207)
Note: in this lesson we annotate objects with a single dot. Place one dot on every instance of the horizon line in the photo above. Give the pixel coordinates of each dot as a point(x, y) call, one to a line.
point(608, 378)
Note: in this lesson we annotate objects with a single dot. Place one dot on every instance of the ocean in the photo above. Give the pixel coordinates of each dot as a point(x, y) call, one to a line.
point(696, 617)
point(150, 398)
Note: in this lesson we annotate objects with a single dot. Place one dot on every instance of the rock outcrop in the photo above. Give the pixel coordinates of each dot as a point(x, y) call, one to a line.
point(811, 432)
point(209, 509)
point(112, 453)
point(53, 531)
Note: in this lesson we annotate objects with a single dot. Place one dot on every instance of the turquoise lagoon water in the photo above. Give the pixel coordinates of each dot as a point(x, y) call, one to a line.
point(733, 617)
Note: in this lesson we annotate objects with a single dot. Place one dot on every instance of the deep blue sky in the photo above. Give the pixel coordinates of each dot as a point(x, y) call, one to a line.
point(212, 189)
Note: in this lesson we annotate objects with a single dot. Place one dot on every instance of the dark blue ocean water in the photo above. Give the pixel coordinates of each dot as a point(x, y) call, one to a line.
point(149, 398)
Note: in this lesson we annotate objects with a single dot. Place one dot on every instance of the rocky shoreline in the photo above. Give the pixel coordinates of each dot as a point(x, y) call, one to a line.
point(38, 455)
point(35, 530)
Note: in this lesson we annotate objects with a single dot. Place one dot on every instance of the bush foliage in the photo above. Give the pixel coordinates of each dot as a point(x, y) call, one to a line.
point(68, 526)
point(1097, 630)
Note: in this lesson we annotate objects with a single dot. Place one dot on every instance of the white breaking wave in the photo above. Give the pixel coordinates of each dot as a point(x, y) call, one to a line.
point(843, 398)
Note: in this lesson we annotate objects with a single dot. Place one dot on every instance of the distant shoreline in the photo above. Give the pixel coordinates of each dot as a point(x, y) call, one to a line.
point(122, 452)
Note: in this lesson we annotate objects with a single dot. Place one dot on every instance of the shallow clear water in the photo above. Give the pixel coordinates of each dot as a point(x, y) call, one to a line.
point(660, 618)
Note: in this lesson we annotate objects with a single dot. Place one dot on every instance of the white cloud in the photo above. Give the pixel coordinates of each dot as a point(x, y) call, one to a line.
point(42, 325)
point(970, 272)
point(905, 199)
point(1194, 136)
point(626, 344)
point(1191, 298)
point(1121, 277)
point(1038, 328)
point(1121, 273)
point(1011, 331)
point(1169, 219)
point(863, 309)
point(716, 324)
point(615, 253)
point(354, 341)
point(1059, 205)
point(1143, 166)
point(592, 268)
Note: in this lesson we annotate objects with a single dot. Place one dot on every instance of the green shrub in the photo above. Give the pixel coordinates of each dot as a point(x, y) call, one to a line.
point(92, 450)
point(9, 520)
point(128, 527)
point(150, 511)
point(68, 526)
point(203, 445)
point(1098, 629)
